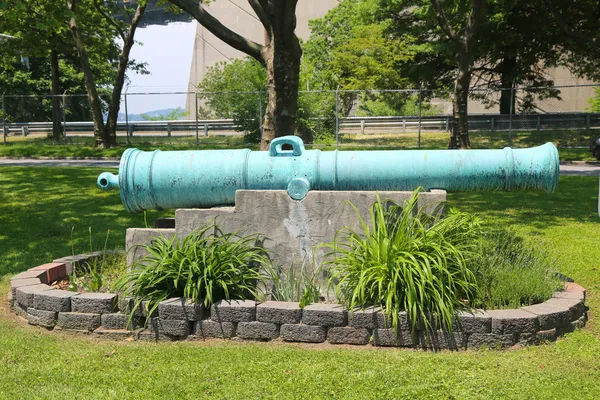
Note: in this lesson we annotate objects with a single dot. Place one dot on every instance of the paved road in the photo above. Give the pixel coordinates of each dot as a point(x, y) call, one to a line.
point(576, 169)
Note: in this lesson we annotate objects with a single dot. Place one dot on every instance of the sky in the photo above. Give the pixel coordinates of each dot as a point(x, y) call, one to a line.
point(168, 52)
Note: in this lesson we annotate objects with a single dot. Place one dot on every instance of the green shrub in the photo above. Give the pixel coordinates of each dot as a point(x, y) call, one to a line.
point(511, 274)
point(406, 260)
point(204, 267)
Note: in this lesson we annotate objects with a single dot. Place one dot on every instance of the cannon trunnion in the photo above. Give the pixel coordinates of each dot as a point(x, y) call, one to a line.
point(207, 178)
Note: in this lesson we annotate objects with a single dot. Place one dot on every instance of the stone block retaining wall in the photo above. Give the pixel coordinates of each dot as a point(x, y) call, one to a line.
point(107, 315)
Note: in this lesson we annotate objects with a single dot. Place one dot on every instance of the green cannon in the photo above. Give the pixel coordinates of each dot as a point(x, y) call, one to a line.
point(207, 178)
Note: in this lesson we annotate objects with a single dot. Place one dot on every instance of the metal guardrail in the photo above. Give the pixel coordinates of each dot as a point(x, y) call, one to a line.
point(477, 122)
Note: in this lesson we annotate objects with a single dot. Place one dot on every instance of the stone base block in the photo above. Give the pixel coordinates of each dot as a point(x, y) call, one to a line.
point(45, 319)
point(53, 300)
point(513, 322)
point(94, 303)
point(325, 315)
point(17, 283)
point(257, 330)
point(214, 329)
point(78, 321)
point(477, 341)
point(170, 327)
point(366, 318)
point(279, 312)
point(180, 309)
point(118, 321)
point(41, 275)
point(24, 295)
point(348, 335)
point(234, 311)
point(442, 340)
point(303, 333)
point(392, 338)
point(476, 321)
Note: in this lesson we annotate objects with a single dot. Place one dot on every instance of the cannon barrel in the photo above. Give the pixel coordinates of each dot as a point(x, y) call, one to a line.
point(206, 178)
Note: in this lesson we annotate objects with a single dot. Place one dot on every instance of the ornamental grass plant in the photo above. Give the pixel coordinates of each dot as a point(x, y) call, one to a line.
point(206, 267)
point(511, 274)
point(405, 259)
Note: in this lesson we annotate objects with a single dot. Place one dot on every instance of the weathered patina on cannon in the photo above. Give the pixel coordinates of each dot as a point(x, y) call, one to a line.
point(206, 178)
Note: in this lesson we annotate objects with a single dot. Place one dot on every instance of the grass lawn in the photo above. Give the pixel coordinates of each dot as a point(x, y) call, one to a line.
point(41, 205)
point(572, 145)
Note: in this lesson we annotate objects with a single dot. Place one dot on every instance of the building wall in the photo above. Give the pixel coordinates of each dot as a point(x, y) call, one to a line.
point(238, 16)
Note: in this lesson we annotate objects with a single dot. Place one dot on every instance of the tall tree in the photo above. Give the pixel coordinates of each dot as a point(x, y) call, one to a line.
point(43, 38)
point(105, 134)
point(280, 55)
point(463, 40)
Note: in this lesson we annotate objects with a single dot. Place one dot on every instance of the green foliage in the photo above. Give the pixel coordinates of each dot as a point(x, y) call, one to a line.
point(406, 260)
point(594, 101)
point(205, 267)
point(233, 90)
point(511, 274)
point(237, 90)
point(287, 285)
point(175, 114)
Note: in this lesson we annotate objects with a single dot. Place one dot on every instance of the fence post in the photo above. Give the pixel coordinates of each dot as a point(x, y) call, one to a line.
point(205, 129)
point(510, 117)
point(587, 121)
point(126, 118)
point(64, 115)
point(196, 113)
point(3, 121)
point(420, 115)
point(538, 123)
point(260, 113)
point(337, 120)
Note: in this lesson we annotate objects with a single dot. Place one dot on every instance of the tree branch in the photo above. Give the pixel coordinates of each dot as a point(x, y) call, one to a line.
point(564, 25)
point(109, 19)
point(476, 11)
point(194, 8)
point(261, 14)
point(443, 20)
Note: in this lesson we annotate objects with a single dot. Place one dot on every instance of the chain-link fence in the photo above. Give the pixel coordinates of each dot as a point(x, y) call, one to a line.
point(568, 116)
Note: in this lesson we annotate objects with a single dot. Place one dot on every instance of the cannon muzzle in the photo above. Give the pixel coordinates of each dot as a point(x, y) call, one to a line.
point(206, 178)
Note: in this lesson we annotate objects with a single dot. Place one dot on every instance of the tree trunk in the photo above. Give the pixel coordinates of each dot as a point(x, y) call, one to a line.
point(281, 54)
point(283, 75)
point(56, 114)
point(90, 84)
point(507, 100)
point(110, 130)
point(460, 104)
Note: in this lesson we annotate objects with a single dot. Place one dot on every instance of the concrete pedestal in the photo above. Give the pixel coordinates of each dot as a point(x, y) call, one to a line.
point(291, 228)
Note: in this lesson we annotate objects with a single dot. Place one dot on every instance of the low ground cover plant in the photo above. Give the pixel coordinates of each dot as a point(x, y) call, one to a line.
point(511, 274)
point(204, 267)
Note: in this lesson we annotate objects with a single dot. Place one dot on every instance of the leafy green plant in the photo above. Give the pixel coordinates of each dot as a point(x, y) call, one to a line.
point(511, 274)
point(203, 267)
point(288, 285)
point(406, 260)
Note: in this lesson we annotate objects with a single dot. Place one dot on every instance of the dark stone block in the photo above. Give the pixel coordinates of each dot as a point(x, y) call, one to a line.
point(325, 315)
point(303, 333)
point(348, 335)
point(279, 312)
point(257, 330)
